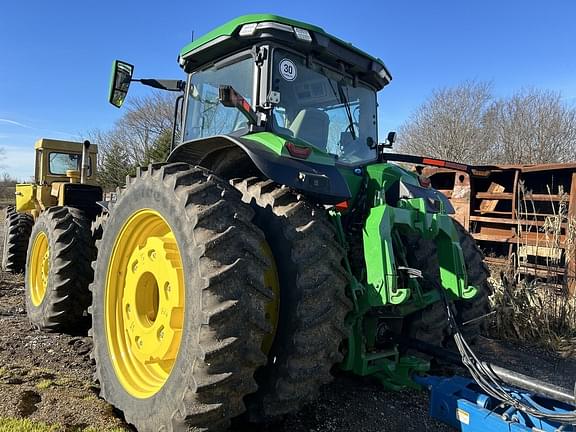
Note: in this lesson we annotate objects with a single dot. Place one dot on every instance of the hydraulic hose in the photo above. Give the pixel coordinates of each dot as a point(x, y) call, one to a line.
point(507, 376)
point(491, 382)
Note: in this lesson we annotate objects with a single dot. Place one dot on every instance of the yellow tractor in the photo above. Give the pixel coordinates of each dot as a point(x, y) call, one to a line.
point(48, 234)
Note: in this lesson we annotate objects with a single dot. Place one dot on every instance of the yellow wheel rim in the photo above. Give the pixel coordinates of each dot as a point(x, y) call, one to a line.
point(39, 268)
point(144, 303)
point(272, 282)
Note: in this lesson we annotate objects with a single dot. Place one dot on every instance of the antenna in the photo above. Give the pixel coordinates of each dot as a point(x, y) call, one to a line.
point(192, 35)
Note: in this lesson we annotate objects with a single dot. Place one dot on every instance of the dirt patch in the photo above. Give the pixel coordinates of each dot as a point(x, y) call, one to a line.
point(48, 377)
point(43, 376)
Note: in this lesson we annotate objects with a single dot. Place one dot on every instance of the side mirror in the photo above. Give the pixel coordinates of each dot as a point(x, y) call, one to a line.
point(119, 82)
point(390, 139)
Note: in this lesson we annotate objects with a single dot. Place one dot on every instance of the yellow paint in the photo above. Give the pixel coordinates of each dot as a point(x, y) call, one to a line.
point(25, 194)
point(44, 146)
point(144, 308)
point(272, 282)
point(46, 191)
point(39, 268)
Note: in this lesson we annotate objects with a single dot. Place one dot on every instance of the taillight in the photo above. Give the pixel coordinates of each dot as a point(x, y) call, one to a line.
point(341, 206)
point(297, 151)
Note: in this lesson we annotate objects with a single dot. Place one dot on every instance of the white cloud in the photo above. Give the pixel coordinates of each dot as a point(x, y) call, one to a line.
point(66, 135)
point(13, 122)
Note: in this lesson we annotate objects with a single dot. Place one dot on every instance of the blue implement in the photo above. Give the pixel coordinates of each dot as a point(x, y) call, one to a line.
point(461, 403)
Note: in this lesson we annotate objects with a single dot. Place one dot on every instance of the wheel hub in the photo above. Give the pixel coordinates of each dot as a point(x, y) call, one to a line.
point(144, 303)
point(152, 309)
point(39, 269)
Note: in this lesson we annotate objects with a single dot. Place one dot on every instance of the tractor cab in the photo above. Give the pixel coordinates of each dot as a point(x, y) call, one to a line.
point(300, 96)
point(280, 90)
point(60, 167)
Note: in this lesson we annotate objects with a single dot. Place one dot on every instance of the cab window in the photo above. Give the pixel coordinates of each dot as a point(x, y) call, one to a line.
point(206, 116)
point(59, 163)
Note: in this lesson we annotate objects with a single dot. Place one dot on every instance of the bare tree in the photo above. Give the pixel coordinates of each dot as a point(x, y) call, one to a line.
point(7, 188)
point(451, 124)
point(468, 125)
point(533, 126)
point(140, 136)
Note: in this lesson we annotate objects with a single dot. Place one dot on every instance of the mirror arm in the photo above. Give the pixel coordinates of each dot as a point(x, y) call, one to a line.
point(169, 85)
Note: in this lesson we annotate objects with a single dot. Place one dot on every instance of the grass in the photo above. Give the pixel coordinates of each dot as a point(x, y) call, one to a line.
point(27, 425)
point(44, 384)
point(536, 313)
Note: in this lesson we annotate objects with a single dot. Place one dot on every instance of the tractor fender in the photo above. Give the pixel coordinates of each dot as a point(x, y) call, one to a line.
point(325, 183)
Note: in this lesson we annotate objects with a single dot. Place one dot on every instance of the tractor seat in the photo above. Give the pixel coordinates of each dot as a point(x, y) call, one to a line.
point(312, 125)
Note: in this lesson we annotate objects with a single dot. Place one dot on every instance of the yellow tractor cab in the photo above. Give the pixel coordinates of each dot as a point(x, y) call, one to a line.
point(64, 175)
point(48, 235)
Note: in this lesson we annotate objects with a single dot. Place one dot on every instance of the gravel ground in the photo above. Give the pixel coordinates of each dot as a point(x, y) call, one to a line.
point(48, 377)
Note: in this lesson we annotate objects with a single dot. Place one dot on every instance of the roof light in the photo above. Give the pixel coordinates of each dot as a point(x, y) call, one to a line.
point(275, 26)
point(248, 29)
point(302, 34)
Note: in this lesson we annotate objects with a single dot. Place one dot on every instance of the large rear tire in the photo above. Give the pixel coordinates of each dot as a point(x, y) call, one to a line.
point(430, 324)
point(313, 302)
point(471, 314)
point(179, 308)
point(58, 271)
point(17, 229)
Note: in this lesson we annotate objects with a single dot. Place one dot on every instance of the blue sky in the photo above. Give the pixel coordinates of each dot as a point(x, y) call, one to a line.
point(55, 56)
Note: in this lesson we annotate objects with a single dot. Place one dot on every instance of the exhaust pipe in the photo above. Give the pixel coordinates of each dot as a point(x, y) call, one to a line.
point(85, 162)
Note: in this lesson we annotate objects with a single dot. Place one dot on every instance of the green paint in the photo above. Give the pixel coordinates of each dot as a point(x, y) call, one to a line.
point(276, 144)
point(232, 27)
point(269, 141)
point(381, 276)
point(353, 180)
point(384, 252)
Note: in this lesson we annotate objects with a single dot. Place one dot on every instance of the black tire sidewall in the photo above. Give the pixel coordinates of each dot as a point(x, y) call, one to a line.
point(5, 240)
point(281, 247)
point(151, 194)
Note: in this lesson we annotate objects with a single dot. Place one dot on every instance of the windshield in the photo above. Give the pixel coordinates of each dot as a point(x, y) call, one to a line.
point(323, 108)
point(205, 115)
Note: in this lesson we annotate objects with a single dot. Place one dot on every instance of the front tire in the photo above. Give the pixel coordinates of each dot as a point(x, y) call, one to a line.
point(58, 270)
point(179, 301)
point(17, 229)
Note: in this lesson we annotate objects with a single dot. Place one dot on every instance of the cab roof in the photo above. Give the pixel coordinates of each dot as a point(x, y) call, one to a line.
point(235, 35)
point(63, 146)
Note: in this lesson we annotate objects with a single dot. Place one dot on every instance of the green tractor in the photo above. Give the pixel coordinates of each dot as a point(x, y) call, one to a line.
point(275, 242)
